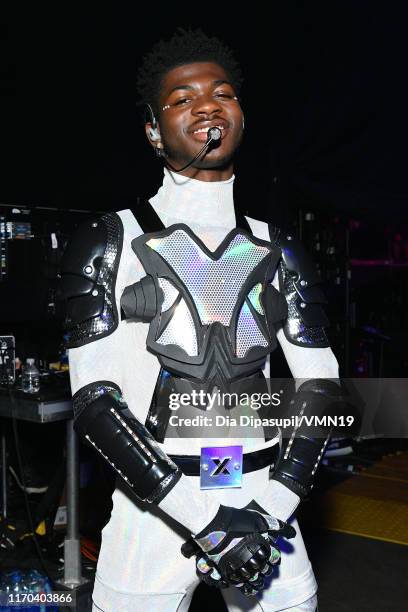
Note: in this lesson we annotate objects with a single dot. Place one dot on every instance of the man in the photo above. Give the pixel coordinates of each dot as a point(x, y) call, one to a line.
point(180, 295)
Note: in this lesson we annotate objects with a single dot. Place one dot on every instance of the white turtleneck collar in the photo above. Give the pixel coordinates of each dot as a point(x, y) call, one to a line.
point(181, 199)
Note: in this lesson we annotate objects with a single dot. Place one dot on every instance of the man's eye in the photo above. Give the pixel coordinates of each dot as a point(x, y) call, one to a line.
point(222, 94)
point(182, 101)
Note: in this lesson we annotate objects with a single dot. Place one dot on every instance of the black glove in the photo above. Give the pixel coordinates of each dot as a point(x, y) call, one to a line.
point(238, 548)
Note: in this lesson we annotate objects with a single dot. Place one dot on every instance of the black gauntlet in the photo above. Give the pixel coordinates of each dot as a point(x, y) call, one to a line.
point(104, 420)
point(302, 452)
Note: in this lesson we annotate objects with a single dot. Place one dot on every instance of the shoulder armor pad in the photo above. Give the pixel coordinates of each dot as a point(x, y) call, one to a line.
point(88, 277)
point(302, 269)
point(300, 281)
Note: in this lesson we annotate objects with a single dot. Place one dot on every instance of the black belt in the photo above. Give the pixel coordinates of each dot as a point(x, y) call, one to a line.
point(190, 465)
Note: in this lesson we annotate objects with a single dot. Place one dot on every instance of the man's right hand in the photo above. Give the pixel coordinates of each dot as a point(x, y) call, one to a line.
point(238, 547)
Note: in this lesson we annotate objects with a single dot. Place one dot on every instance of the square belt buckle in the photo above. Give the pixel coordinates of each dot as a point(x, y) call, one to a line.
point(221, 467)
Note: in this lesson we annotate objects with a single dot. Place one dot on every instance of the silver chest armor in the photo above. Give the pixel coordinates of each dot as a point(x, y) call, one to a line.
point(214, 315)
point(211, 324)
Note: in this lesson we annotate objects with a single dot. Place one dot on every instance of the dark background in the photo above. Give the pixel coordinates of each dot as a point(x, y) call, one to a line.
point(325, 101)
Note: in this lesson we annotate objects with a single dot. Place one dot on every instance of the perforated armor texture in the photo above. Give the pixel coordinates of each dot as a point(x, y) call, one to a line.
point(254, 297)
point(180, 330)
point(213, 284)
point(170, 293)
point(248, 332)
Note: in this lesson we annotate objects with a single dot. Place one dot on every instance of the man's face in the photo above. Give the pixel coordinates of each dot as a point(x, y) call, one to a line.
point(193, 98)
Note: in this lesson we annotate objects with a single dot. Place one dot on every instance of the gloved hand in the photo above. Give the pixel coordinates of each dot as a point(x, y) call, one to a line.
point(238, 547)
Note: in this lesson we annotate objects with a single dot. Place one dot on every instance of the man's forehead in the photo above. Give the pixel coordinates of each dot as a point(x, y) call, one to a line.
point(192, 74)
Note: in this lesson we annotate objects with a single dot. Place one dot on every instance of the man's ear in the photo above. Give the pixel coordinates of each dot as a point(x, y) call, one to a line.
point(153, 134)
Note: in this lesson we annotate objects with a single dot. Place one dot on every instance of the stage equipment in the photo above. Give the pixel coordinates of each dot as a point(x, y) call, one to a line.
point(7, 360)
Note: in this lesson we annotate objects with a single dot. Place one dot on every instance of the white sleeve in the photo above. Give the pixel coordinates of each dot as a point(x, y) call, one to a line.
point(97, 361)
point(307, 362)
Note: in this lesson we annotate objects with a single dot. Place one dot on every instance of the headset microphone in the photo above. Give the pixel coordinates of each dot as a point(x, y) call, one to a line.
point(213, 135)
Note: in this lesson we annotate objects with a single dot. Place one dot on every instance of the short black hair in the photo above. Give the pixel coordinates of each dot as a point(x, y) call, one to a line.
point(184, 47)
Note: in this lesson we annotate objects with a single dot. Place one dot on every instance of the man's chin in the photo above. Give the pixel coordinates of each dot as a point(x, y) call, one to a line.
point(213, 162)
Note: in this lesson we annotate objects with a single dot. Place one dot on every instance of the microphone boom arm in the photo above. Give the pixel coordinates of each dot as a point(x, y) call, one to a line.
point(213, 135)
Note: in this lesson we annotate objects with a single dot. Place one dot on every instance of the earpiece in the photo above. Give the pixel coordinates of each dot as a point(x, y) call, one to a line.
point(154, 134)
point(150, 118)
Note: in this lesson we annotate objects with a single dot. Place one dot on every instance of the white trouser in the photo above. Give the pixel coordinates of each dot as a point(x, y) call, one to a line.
point(308, 606)
point(140, 566)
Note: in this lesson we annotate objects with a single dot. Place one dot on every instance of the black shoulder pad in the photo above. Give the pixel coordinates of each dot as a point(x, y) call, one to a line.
point(88, 277)
point(302, 269)
point(300, 281)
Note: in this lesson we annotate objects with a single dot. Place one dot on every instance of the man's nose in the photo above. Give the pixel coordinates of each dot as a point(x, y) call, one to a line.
point(206, 105)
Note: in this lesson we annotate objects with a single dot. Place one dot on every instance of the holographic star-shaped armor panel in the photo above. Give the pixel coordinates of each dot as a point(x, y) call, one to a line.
point(214, 284)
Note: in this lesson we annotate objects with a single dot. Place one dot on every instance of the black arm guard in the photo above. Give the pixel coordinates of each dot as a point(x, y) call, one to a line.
point(103, 419)
point(299, 282)
point(140, 301)
point(302, 453)
point(88, 278)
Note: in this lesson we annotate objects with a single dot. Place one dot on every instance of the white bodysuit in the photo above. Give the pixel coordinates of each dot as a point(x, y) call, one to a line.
point(140, 566)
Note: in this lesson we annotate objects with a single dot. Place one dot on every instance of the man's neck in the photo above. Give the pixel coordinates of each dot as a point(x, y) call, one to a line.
point(194, 201)
point(209, 175)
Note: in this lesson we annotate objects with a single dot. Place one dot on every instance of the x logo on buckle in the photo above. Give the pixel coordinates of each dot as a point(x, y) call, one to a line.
point(221, 466)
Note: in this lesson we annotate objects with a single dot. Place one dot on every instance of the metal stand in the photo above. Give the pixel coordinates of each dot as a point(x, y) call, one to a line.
point(72, 544)
point(29, 409)
point(3, 475)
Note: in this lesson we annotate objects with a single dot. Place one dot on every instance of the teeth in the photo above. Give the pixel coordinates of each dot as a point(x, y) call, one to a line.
point(201, 130)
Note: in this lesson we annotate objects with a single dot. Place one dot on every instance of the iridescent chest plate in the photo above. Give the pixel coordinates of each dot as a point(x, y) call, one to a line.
point(212, 324)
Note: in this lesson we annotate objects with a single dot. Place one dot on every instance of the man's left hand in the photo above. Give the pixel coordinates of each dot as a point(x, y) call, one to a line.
point(249, 561)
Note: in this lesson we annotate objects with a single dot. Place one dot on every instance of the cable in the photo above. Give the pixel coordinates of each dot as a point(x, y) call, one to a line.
point(213, 136)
